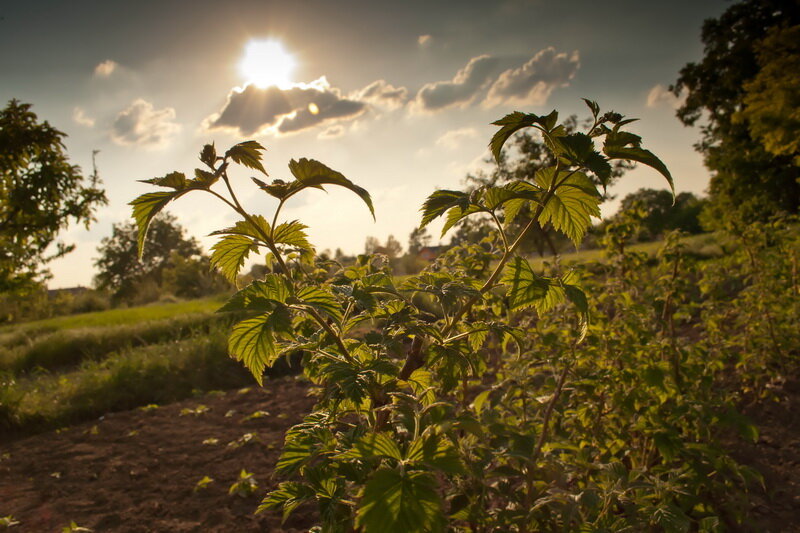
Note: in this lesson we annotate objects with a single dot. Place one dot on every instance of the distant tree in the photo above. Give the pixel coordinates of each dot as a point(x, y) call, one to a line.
point(41, 193)
point(392, 248)
point(658, 214)
point(417, 240)
point(119, 269)
point(737, 90)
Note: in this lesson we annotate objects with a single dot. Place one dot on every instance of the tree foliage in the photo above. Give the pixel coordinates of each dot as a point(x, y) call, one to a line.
point(171, 262)
point(660, 212)
point(41, 193)
point(741, 94)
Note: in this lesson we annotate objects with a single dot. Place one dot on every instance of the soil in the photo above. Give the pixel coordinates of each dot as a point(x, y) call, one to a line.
point(137, 471)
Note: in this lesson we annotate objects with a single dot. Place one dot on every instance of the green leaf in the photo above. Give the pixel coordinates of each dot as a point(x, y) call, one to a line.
point(578, 299)
point(593, 106)
point(439, 202)
point(312, 173)
point(247, 153)
point(400, 502)
point(526, 288)
point(376, 445)
point(260, 295)
point(436, 452)
point(510, 124)
point(672, 519)
point(229, 254)
point(252, 341)
point(616, 147)
point(322, 300)
point(288, 496)
point(574, 202)
point(204, 179)
point(292, 234)
point(174, 180)
point(256, 227)
point(208, 155)
point(145, 207)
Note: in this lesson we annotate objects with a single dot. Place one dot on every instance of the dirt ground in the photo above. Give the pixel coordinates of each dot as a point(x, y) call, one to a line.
point(137, 471)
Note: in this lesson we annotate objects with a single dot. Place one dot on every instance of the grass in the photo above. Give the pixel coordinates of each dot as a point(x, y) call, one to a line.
point(68, 347)
point(11, 335)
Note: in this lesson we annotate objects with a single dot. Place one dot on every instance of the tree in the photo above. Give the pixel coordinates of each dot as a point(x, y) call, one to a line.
point(660, 214)
point(748, 182)
point(392, 248)
point(417, 240)
point(119, 269)
point(41, 193)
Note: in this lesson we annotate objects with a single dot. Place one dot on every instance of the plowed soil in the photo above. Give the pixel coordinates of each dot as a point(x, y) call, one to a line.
point(137, 471)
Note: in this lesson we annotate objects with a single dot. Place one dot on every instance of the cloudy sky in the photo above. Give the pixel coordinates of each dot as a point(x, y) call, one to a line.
point(397, 96)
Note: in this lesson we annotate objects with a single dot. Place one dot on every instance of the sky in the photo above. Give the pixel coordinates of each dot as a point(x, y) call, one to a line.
point(398, 96)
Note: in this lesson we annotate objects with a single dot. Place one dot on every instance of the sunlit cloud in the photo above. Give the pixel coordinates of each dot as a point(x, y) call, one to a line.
point(660, 96)
point(79, 117)
point(106, 68)
point(533, 82)
point(382, 94)
point(425, 40)
point(332, 133)
point(461, 90)
point(275, 110)
point(143, 125)
point(453, 139)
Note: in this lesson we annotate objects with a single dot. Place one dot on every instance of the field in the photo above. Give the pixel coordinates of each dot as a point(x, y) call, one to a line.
point(137, 420)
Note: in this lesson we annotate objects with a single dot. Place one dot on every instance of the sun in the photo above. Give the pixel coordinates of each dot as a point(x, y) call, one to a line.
point(267, 63)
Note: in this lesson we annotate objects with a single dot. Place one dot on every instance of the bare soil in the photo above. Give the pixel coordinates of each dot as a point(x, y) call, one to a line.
point(136, 471)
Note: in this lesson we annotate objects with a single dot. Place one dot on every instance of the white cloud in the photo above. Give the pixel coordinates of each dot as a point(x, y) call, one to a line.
point(143, 125)
point(661, 96)
point(533, 82)
point(106, 68)
point(425, 40)
point(79, 116)
point(453, 139)
point(461, 90)
point(382, 94)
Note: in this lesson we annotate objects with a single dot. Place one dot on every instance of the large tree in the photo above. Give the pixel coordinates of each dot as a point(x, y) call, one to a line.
point(122, 273)
point(749, 180)
point(41, 193)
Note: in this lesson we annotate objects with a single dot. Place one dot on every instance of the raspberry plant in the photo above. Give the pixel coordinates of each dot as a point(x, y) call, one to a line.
point(463, 397)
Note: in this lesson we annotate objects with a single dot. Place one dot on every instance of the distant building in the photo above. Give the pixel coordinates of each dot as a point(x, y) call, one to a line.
point(429, 253)
point(74, 291)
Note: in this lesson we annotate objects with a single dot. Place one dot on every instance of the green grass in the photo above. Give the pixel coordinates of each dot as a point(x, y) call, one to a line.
point(114, 317)
point(68, 347)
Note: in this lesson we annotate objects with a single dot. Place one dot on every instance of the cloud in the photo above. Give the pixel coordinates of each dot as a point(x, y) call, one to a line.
point(106, 68)
point(333, 132)
point(462, 89)
point(533, 82)
point(252, 110)
point(141, 124)
point(382, 94)
point(454, 138)
point(661, 96)
point(79, 116)
point(425, 40)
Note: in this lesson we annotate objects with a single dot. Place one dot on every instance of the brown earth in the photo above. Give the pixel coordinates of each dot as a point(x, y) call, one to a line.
point(136, 471)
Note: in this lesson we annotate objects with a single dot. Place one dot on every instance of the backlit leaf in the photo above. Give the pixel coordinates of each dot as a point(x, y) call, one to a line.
point(312, 173)
point(247, 153)
point(399, 502)
point(229, 254)
point(145, 207)
point(574, 202)
point(252, 341)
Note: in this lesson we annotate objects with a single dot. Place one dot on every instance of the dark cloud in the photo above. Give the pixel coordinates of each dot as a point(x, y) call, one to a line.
point(462, 89)
point(142, 124)
point(383, 94)
point(533, 82)
point(288, 110)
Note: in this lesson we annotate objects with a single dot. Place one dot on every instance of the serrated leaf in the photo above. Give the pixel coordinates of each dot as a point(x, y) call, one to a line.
point(248, 154)
point(252, 341)
point(439, 202)
point(256, 227)
point(292, 234)
point(625, 145)
point(457, 214)
point(376, 445)
point(145, 207)
point(174, 180)
point(288, 496)
point(260, 295)
point(321, 300)
point(672, 519)
point(436, 452)
point(573, 204)
point(526, 288)
point(230, 253)
point(312, 173)
point(204, 179)
point(510, 124)
point(592, 106)
point(208, 155)
point(399, 502)
point(578, 299)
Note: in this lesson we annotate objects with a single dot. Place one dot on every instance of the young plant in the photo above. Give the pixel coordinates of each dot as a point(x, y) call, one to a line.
point(440, 396)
